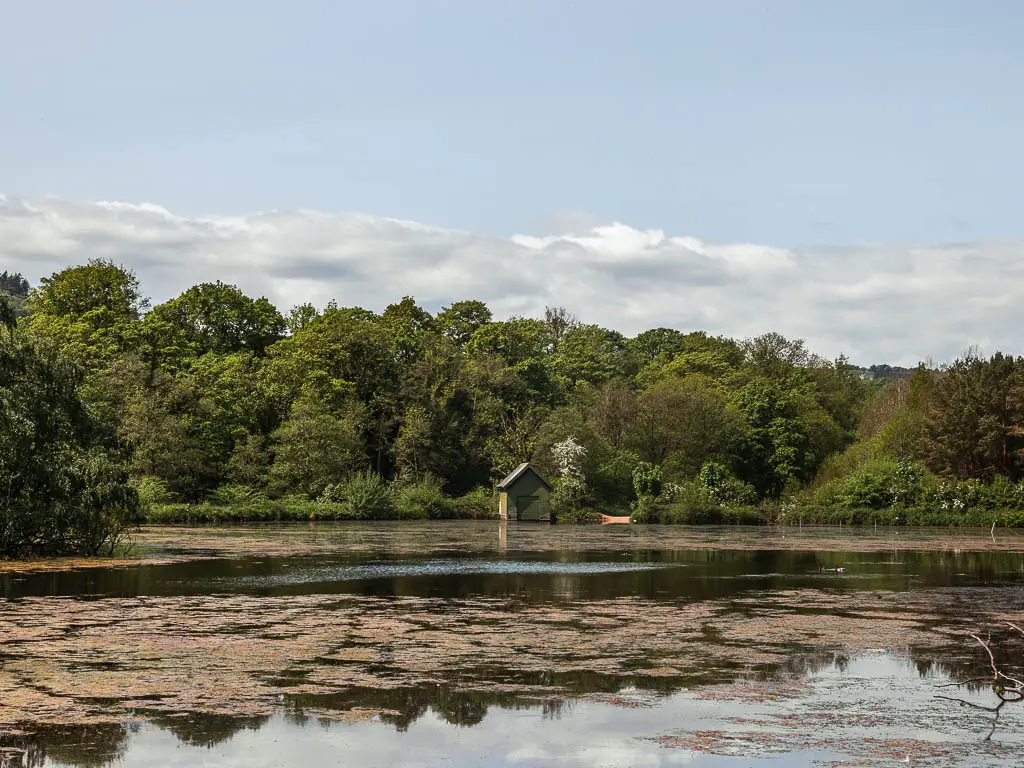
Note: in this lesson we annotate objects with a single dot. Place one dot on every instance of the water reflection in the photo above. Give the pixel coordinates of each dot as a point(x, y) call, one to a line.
point(534, 577)
point(590, 652)
point(510, 730)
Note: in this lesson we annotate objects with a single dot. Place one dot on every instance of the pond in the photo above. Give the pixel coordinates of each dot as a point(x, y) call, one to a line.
point(473, 643)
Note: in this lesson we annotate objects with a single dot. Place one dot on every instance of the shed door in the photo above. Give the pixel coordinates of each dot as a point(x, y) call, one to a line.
point(528, 507)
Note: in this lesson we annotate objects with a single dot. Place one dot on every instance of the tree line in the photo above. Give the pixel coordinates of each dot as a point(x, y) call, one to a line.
point(215, 396)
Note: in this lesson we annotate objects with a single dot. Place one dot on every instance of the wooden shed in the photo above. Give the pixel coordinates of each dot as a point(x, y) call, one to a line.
point(524, 495)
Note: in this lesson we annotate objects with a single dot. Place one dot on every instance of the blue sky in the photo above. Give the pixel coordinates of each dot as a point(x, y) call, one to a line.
point(844, 171)
point(792, 123)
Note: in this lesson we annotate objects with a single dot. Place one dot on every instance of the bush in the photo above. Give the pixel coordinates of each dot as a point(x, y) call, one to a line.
point(646, 479)
point(237, 495)
point(645, 509)
point(578, 517)
point(480, 504)
point(363, 496)
point(63, 494)
point(723, 487)
point(692, 504)
point(423, 501)
point(153, 490)
point(880, 484)
point(1003, 494)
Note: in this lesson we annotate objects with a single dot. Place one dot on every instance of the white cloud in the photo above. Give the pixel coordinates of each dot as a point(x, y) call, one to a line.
point(876, 303)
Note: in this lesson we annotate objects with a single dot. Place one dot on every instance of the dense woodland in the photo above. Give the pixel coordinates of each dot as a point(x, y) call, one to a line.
point(217, 405)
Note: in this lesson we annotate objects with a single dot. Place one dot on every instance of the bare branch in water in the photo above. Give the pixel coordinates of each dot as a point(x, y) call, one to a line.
point(1009, 690)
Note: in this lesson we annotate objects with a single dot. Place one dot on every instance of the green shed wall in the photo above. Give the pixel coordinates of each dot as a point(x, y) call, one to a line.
point(529, 485)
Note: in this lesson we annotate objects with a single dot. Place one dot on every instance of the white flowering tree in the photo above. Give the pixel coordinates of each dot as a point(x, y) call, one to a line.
point(571, 486)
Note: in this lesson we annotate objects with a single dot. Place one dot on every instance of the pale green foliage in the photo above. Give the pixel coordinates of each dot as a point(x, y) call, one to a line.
point(881, 483)
point(423, 500)
point(153, 490)
point(364, 496)
point(236, 495)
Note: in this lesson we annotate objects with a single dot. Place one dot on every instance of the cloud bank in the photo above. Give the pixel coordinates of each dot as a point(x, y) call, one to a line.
point(876, 303)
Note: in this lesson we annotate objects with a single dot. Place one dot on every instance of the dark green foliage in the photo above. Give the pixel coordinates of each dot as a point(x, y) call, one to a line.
point(479, 504)
point(62, 489)
point(315, 448)
point(646, 480)
point(212, 317)
point(14, 290)
point(460, 321)
point(13, 284)
point(973, 424)
point(214, 399)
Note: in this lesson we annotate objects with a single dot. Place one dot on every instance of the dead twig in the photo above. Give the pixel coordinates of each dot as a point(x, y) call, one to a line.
point(1009, 690)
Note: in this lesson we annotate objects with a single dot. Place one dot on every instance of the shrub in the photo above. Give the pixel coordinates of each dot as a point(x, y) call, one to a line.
point(364, 496)
point(236, 495)
point(646, 479)
point(956, 497)
point(1002, 494)
point(645, 509)
point(153, 490)
point(480, 504)
point(579, 517)
point(62, 493)
point(693, 504)
point(423, 501)
point(722, 486)
point(880, 484)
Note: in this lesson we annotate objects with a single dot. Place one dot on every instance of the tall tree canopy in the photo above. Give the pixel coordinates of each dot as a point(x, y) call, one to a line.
point(215, 387)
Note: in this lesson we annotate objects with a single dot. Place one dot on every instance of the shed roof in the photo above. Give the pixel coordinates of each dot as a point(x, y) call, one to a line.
point(518, 472)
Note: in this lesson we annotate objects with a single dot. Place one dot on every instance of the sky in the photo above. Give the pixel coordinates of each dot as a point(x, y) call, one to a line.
point(848, 171)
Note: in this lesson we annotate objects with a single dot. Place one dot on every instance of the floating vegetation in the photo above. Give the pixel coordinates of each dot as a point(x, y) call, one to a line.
point(765, 663)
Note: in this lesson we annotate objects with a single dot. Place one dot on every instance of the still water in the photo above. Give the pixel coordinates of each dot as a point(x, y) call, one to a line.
point(473, 644)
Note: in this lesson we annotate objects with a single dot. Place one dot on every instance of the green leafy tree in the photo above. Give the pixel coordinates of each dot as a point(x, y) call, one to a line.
point(14, 290)
point(974, 424)
point(591, 354)
point(90, 312)
point(788, 435)
point(211, 317)
point(14, 284)
point(772, 355)
point(316, 447)
point(63, 489)
point(249, 465)
point(166, 428)
point(408, 328)
point(687, 419)
point(461, 320)
point(656, 343)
